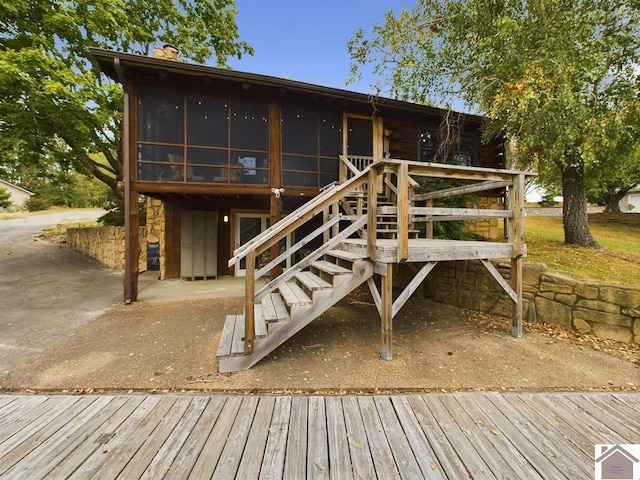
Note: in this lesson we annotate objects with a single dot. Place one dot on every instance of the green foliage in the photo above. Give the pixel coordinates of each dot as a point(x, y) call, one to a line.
point(559, 78)
point(55, 106)
point(452, 230)
point(115, 211)
point(5, 198)
point(36, 204)
point(548, 200)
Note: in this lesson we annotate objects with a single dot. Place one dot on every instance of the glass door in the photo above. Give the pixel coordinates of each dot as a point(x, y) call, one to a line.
point(249, 226)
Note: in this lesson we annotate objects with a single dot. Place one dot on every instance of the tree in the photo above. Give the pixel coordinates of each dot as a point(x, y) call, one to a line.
point(54, 103)
point(559, 78)
point(622, 167)
point(5, 198)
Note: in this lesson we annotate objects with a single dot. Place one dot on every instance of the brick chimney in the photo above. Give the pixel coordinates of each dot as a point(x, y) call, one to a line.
point(168, 52)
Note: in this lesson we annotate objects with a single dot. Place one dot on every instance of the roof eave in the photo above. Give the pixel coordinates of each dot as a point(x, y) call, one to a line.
point(105, 59)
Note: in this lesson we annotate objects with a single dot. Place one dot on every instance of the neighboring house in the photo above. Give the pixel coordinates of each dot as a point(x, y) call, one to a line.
point(18, 195)
point(630, 203)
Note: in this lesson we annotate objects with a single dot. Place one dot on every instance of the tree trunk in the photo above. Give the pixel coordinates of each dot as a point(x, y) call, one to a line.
point(574, 208)
point(611, 204)
point(612, 197)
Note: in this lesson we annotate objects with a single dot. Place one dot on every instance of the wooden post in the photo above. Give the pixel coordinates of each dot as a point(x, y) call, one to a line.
point(372, 214)
point(386, 314)
point(131, 209)
point(335, 211)
point(275, 213)
point(249, 294)
point(378, 148)
point(429, 228)
point(516, 233)
point(403, 212)
point(516, 284)
point(360, 205)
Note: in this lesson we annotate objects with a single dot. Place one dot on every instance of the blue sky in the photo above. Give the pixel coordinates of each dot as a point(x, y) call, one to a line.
point(306, 40)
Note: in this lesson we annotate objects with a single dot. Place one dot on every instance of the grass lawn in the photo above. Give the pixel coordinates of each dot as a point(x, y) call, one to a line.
point(617, 261)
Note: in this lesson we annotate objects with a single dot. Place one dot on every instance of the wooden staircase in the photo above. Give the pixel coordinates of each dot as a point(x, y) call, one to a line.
point(294, 304)
point(368, 225)
point(296, 296)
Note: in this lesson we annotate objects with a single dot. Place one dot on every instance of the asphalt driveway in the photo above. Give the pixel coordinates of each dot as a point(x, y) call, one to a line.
point(46, 290)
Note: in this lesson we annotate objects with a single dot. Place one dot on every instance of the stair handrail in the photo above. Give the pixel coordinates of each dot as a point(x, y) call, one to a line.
point(306, 261)
point(303, 213)
point(275, 233)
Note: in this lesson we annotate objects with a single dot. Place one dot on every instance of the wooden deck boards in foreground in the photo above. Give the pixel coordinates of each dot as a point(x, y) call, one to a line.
point(455, 436)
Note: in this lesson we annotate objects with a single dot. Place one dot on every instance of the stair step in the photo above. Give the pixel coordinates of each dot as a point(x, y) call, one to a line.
point(344, 255)
point(232, 338)
point(259, 321)
point(274, 308)
point(311, 281)
point(284, 330)
point(226, 338)
point(330, 268)
point(293, 295)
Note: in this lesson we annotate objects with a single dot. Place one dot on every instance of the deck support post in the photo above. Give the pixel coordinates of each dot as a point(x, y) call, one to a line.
point(386, 314)
point(516, 283)
point(131, 207)
point(249, 295)
point(403, 212)
point(516, 230)
point(372, 214)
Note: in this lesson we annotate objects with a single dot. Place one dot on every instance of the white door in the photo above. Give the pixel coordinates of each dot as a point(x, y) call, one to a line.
point(249, 226)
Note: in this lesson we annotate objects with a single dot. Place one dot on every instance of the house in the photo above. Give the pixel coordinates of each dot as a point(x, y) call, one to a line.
point(18, 196)
point(256, 174)
point(630, 203)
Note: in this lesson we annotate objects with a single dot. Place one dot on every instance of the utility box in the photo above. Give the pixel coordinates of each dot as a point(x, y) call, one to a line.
point(153, 256)
point(199, 245)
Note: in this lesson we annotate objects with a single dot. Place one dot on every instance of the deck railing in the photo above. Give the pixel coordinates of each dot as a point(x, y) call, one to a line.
point(408, 213)
point(397, 176)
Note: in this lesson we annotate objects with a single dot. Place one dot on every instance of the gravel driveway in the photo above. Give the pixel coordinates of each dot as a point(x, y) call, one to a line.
point(46, 290)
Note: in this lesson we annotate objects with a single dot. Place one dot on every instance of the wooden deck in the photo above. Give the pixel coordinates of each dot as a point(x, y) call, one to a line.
point(456, 436)
point(432, 250)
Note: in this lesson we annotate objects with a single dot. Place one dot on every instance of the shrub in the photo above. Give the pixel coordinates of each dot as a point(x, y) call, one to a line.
point(36, 204)
point(5, 198)
point(115, 212)
point(548, 200)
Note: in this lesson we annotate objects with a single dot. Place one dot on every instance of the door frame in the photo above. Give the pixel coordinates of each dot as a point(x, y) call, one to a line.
point(265, 221)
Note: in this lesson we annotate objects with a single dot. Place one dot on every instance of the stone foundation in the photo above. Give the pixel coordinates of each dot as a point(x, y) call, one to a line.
point(105, 245)
point(608, 310)
point(485, 227)
point(156, 228)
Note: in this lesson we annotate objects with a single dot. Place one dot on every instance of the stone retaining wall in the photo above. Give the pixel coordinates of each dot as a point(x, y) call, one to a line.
point(608, 310)
point(156, 227)
point(105, 245)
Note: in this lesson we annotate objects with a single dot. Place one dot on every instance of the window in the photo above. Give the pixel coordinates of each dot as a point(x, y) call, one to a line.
point(464, 151)
point(429, 145)
point(204, 138)
point(311, 145)
point(461, 151)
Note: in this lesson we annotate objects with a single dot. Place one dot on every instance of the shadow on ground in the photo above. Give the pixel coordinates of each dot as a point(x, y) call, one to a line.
point(171, 346)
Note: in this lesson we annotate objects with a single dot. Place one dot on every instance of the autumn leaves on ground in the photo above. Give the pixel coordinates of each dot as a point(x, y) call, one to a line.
point(616, 261)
